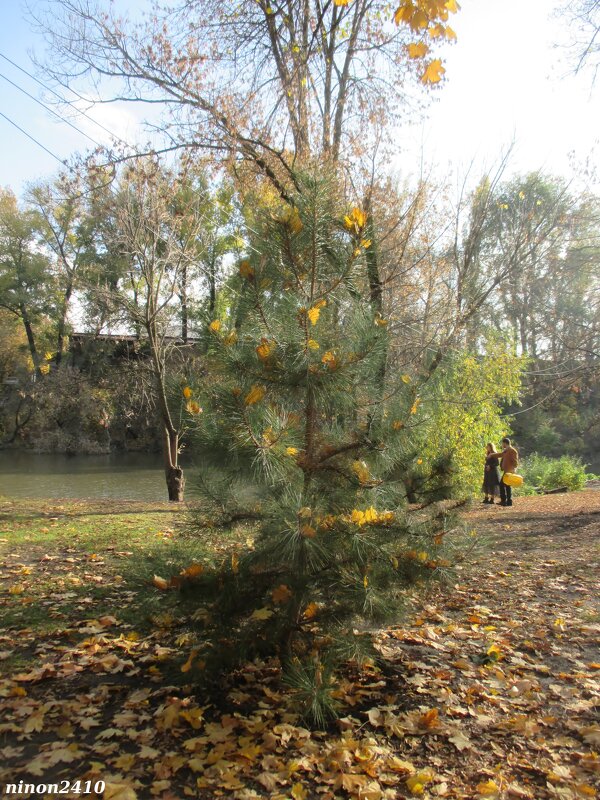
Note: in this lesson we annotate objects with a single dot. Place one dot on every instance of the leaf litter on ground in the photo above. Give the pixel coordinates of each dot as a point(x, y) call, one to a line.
point(489, 689)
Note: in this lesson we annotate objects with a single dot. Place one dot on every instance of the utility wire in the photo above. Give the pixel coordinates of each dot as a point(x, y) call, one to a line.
point(63, 99)
point(33, 139)
point(51, 110)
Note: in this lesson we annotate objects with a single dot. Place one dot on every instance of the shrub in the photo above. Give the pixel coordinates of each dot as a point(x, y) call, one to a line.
point(543, 473)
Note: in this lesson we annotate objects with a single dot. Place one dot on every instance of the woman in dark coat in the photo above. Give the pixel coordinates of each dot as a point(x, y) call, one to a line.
point(491, 474)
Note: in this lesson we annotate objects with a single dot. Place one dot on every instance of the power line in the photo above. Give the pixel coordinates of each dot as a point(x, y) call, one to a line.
point(47, 108)
point(33, 139)
point(64, 99)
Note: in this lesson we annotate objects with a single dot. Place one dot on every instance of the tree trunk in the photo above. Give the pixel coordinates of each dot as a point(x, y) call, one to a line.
point(173, 472)
point(30, 339)
point(60, 338)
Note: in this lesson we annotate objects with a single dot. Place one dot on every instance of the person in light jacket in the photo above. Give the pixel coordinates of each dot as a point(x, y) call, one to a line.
point(509, 461)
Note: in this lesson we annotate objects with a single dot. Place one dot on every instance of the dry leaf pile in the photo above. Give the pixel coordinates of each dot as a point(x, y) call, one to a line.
point(490, 690)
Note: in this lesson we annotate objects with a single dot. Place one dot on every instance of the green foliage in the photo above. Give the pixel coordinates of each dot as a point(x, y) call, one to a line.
point(543, 473)
point(465, 412)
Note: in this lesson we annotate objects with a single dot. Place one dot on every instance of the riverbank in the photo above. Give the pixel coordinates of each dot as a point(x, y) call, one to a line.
point(488, 690)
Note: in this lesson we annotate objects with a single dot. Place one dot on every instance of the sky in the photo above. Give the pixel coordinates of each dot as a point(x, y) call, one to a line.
point(506, 80)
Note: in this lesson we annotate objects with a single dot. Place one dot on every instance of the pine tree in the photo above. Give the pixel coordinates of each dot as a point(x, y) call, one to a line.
point(297, 435)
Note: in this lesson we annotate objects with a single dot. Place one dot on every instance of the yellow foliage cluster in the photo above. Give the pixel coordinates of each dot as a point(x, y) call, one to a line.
point(427, 17)
point(255, 395)
point(315, 312)
point(370, 516)
point(265, 349)
point(356, 221)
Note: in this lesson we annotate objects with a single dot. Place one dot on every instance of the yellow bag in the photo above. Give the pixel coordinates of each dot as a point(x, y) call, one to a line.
point(512, 479)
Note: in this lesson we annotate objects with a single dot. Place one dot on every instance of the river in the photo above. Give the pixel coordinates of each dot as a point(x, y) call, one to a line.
point(122, 476)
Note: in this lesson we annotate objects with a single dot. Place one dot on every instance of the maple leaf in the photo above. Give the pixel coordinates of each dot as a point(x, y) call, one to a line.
point(434, 72)
point(341, 2)
point(119, 791)
point(417, 50)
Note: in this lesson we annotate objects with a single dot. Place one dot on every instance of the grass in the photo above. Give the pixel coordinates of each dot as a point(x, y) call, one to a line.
point(64, 563)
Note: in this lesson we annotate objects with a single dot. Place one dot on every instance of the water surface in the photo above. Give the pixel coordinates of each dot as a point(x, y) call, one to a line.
point(122, 476)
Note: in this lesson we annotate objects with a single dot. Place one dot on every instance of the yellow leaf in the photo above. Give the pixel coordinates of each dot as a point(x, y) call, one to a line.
point(366, 243)
point(405, 378)
point(417, 50)
point(281, 594)
point(125, 761)
point(381, 322)
point(262, 613)
point(311, 610)
point(314, 345)
point(452, 6)
point(194, 716)
point(235, 563)
point(415, 406)
point(337, 3)
point(44, 368)
point(16, 589)
point(488, 789)
point(434, 72)
point(435, 31)
point(291, 451)
point(404, 13)
point(450, 34)
point(119, 791)
point(397, 425)
point(187, 392)
point(193, 407)
point(298, 791)
point(365, 581)
point(308, 531)
point(160, 583)
point(417, 782)
point(255, 395)
point(494, 652)
point(215, 325)
point(231, 338)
